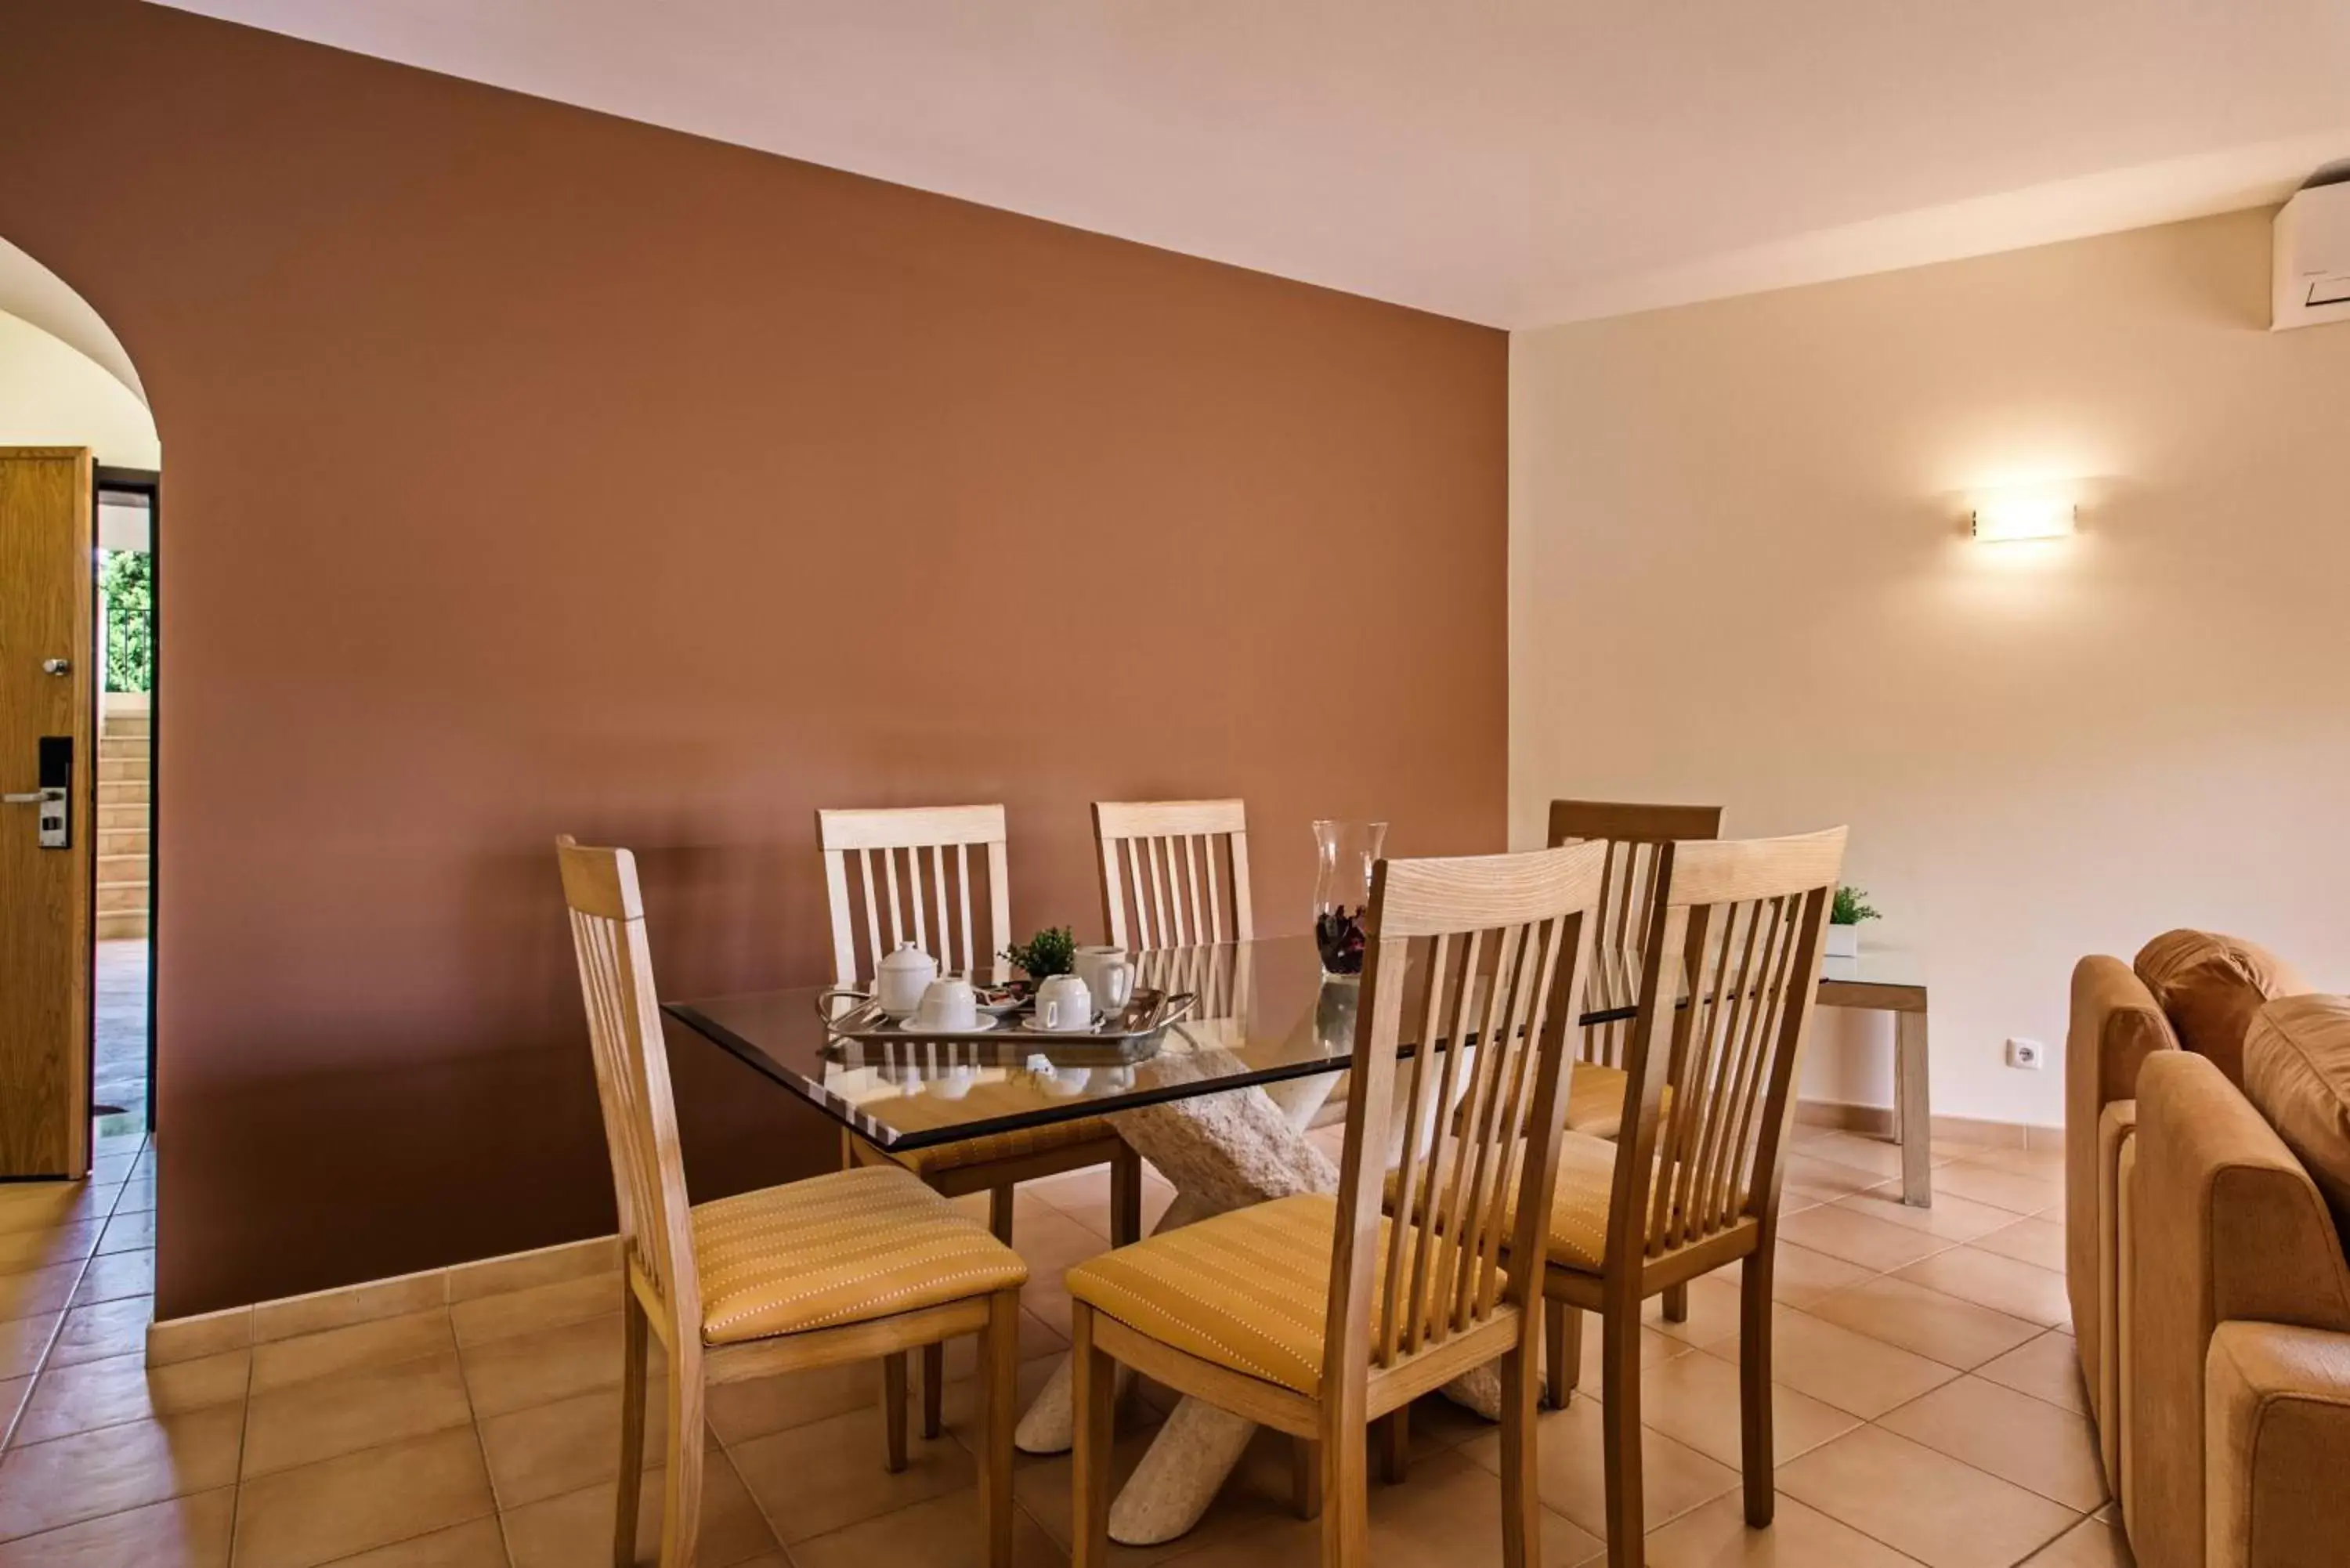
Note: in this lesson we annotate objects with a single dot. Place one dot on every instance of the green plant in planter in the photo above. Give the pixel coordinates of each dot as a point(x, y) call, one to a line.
point(1051, 951)
point(1851, 906)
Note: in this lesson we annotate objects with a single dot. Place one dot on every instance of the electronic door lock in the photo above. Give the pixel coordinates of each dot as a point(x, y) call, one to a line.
point(54, 797)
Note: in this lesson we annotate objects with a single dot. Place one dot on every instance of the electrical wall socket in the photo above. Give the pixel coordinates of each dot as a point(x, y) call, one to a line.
point(2026, 1054)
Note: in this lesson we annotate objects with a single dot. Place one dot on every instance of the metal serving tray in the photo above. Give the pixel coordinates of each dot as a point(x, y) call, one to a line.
point(1129, 1035)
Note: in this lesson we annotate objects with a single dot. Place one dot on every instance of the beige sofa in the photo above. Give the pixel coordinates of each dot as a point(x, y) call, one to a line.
point(2207, 1128)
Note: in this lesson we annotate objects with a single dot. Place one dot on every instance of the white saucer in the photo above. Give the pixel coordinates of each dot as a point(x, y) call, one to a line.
point(980, 1025)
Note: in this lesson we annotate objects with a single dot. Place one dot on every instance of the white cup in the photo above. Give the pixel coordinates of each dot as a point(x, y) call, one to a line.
point(947, 1003)
point(1064, 1003)
point(1108, 975)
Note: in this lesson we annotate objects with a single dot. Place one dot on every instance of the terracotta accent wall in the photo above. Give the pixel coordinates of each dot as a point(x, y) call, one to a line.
point(528, 470)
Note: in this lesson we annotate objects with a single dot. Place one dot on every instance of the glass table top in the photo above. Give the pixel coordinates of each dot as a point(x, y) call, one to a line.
point(1263, 1014)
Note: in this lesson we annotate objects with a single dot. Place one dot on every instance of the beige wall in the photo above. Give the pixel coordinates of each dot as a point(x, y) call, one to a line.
point(1737, 574)
point(51, 395)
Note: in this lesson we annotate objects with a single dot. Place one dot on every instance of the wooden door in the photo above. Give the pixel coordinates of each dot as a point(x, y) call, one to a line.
point(49, 546)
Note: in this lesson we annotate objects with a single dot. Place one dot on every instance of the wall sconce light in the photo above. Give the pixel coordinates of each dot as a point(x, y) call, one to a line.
point(2011, 518)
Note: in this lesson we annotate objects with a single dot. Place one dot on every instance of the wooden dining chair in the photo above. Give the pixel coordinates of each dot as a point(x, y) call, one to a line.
point(1315, 1314)
point(1633, 833)
point(859, 1266)
point(915, 881)
point(1727, 984)
point(1174, 873)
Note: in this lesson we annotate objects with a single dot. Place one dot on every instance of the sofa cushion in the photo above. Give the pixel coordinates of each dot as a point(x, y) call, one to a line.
point(2297, 1076)
point(2210, 986)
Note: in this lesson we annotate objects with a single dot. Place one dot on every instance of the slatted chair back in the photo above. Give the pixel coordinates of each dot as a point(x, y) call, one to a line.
point(1174, 873)
point(1634, 833)
point(624, 1033)
point(913, 878)
point(1727, 993)
point(1466, 958)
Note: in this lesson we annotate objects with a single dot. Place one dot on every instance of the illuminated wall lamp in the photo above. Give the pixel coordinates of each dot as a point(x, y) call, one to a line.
point(2022, 517)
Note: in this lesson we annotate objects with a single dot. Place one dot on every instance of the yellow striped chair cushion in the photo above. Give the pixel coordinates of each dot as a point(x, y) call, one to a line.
point(1021, 1143)
point(1578, 1211)
point(839, 1249)
point(1249, 1291)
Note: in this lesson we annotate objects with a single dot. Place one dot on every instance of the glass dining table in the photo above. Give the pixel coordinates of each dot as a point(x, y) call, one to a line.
point(1262, 1012)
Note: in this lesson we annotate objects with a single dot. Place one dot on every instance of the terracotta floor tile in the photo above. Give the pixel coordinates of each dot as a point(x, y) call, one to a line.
point(942, 1532)
point(1942, 1513)
point(368, 1303)
point(542, 1307)
point(527, 1369)
point(386, 1341)
point(24, 1251)
point(1799, 1276)
point(2010, 1435)
point(90, 1474)
point(2037, 1241)
point(475, 1545)
point(23, 1342)
point(1905, 1314)
point(1828, 1177)
point(576, 1527)
point(2002, 1188)
point(2020, 1290)
point(116, 1276)
point(40, 1290)
point(827, 1475)
point(544, 1450)
point(1713, 1312)
point(1447, 1513)
point(136, 1196)
point(109, 1328)
point(124, 1388)
point(741, 1411)
point(1693, 1399)
point(1716, 1536)
point(1880, 1158)
point(12, 1391)
point(356, 1502)
point(1874, 1244)
point(128, 1232)
point(1853, 1372)
point(2047, 1164)
point(47, 1205)
point(1674, 1477)
point(2048, 1368)
point(1952, 1218)
point(182, 1533)
point(2092, 1543)
point(324, 1418)
point(1036, 1338)
point(1051, 1241)
point(1655, 1347)
point(1257, 1492)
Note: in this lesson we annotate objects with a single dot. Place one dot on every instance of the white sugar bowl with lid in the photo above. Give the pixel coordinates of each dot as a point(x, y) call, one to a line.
point(900, 980)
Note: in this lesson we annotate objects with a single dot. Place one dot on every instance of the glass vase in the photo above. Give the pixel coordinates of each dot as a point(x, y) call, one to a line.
point(1345, 853)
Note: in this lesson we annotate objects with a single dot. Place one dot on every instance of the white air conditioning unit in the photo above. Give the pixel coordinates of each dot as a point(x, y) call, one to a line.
point(2313, 255)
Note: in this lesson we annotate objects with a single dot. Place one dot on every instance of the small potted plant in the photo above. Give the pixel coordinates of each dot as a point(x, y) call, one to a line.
point(1051, 951)
point(1845, 916)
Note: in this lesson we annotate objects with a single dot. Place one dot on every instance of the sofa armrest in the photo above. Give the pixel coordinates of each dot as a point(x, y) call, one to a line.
point(2224, 1224)
point(2116, 1026)
point(2277, 1447)
point(2099, 1338)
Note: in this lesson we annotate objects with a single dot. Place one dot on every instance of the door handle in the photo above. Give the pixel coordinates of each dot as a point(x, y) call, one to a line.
point(23, 798)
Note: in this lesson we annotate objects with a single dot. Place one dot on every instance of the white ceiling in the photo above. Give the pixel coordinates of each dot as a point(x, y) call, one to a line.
point(1512, 161)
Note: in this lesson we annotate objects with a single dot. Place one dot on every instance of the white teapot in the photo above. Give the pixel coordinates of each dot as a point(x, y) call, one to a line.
point(900, 980)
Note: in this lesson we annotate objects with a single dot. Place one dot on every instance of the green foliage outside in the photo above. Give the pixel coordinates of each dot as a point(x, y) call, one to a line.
point(127, 578)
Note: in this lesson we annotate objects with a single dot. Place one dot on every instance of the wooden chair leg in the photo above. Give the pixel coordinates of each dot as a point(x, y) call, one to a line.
point(1394, 1430)
point(1755, 1442)
point(1521, 1476)
point(1346, 1494)
point(682, 1504)
point(1306, 1476)
point(1094, 1393)
point(1125, 1197)
point(1000, 1361)
point(999, 1212)
point(893, 1411)
point(1563, 1358)
point(633, 1366)
point(1619, 1397)
point(934, 1390)
point(1676, 1303)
